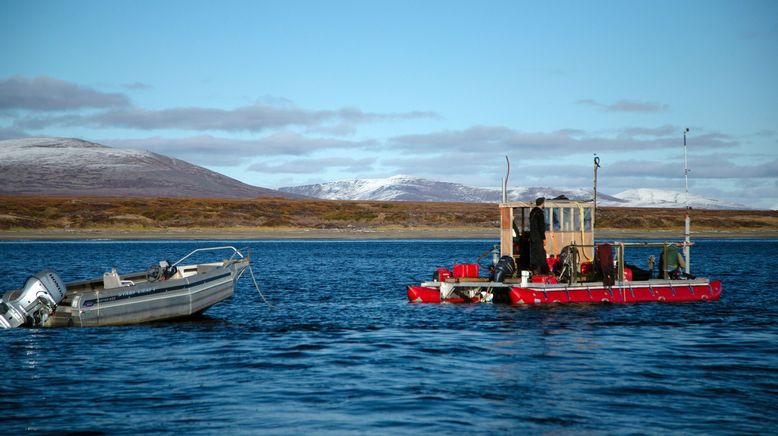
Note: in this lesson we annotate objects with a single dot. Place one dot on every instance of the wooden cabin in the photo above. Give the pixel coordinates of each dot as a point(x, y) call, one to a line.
point(567, 222)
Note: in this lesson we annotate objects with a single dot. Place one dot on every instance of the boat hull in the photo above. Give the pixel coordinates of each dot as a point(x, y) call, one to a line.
point(148, 302)
point(628, 292)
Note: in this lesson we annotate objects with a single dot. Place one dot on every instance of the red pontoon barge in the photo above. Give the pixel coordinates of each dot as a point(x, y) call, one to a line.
point(582, 271)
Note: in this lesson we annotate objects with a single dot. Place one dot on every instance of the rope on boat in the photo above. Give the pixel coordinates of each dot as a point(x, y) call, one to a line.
point(256, 285)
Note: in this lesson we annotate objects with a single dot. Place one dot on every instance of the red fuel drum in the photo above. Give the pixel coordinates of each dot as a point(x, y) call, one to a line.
point(465, 270)
point(442, 274)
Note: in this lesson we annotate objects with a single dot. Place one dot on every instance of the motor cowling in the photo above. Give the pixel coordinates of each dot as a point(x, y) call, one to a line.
point(32, 304)
point(505, 267)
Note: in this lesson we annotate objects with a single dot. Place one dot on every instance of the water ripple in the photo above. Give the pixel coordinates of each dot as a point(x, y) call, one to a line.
point(343, 352)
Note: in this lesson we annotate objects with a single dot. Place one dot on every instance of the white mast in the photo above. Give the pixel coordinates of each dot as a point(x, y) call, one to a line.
point(687, 221)
point(596, 165)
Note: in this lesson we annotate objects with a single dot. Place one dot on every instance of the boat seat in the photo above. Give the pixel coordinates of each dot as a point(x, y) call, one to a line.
point(112, 280)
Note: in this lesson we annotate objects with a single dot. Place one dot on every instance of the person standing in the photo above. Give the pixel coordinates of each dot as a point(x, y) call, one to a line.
point(537, 238)
point(671, 263)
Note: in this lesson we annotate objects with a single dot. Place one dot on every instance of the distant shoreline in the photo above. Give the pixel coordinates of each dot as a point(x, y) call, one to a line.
point(342, 234)
point(78, 218)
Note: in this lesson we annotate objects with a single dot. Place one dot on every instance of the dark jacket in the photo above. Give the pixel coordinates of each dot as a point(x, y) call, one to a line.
point(537, 225)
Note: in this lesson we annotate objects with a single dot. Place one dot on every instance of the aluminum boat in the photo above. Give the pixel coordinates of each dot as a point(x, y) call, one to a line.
point(162, 292)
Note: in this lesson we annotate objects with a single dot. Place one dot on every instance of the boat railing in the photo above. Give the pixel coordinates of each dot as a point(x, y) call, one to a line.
point(620, 248)
point(235, 251)
point(663, 245)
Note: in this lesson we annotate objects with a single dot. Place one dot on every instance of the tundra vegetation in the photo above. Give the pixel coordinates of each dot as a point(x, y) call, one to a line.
point(108, 213)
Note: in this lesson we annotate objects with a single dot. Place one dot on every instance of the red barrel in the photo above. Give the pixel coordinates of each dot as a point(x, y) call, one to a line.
point(465, 270)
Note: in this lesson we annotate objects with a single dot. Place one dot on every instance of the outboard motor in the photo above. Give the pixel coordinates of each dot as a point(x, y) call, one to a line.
point(505, 268)
point(32, 304)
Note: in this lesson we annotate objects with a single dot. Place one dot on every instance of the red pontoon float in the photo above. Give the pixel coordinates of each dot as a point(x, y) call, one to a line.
point(582, 271)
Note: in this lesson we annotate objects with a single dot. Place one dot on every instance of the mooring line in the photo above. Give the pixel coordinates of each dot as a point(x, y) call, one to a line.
point(256, 285)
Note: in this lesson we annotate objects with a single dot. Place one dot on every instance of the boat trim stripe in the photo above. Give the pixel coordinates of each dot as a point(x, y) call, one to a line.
point(151, 291)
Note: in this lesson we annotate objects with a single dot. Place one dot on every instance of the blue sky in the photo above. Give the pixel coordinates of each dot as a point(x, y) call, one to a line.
point(295, 92)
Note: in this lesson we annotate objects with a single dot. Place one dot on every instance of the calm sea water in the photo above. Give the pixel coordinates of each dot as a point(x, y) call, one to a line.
point(342, 351)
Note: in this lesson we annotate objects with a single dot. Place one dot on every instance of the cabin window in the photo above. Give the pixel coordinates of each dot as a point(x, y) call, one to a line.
point(576, 219)
point(567, 219)
point(521, 218)
point(587, 219)
point(556, 223)
point(518, 227)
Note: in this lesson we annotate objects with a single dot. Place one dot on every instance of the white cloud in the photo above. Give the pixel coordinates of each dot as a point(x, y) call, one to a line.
point(210, 150)
point(51, 94)
point(625, 105)
point(39, 96)
point(505, 140)
point(309, 166)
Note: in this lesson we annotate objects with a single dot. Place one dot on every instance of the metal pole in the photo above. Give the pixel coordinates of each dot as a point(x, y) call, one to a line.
point(687, 220)
point(596, 165)
point(505, 181)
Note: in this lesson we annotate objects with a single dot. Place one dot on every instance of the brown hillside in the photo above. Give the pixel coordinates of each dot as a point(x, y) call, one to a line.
point(31, 213)
point(673, 219)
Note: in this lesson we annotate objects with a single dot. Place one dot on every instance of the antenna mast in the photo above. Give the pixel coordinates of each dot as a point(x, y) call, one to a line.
point(596, 165)
point(687, 221)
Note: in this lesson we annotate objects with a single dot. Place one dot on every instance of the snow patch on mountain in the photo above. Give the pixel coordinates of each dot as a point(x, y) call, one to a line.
point(66, 151)
point(645, 197)
point(395, 188)
point(408, 188)
point(66, 166)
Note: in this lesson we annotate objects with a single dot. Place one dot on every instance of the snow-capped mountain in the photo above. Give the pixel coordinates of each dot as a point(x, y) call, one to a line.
point(407, 188)
point(404, 188)
point(662, 198)
point(63, 166)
